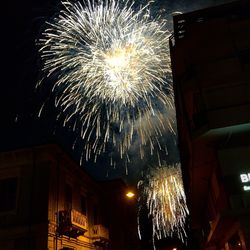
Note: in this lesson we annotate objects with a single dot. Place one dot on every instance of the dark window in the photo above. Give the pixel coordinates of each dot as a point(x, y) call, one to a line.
point(8, 191)
point(244, 56)
point(68, 197)
point(83, 205)
point(96, 222)
point(198, 101)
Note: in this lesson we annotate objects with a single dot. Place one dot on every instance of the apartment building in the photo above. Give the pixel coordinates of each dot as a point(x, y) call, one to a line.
point(210, 53)
point(48, 202)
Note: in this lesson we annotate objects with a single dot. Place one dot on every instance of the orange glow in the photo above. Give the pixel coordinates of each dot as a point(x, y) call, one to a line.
point(130, 194)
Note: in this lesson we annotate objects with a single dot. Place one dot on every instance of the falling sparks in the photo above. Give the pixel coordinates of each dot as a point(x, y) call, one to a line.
point(108, 61)
point(163, 191)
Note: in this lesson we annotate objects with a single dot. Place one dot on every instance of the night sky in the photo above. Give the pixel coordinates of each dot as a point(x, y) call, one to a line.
point(22, 21)
point(20, 101)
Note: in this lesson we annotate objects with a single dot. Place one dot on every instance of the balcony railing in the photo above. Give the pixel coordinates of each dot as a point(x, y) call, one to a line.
point(100, 236)
point(99, 231)
point(72, 223)
point(78, 219)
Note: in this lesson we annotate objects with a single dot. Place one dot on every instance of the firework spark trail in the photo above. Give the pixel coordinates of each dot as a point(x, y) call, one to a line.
point(166, 201)
point(109, 61)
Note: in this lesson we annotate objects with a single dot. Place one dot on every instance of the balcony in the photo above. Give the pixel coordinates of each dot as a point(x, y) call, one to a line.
point(220, 110)
point(100, 235)
point(72, 223)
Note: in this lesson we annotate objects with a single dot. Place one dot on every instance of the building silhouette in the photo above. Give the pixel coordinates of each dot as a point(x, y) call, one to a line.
point(210, 53)
point(48, 202)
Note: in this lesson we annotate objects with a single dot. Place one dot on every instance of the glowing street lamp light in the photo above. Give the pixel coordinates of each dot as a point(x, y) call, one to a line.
point(130, 194)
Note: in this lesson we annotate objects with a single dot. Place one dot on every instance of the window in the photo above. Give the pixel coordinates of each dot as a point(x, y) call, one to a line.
point(95, 211)
point(68, 197)
point(83, 205)
point(8, 192)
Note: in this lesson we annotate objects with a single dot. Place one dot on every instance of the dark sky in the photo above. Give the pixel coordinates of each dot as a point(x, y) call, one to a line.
point(22, 21)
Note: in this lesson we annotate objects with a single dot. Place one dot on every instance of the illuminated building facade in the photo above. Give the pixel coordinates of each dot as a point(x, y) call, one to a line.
point(210, 53)
point(48, 202)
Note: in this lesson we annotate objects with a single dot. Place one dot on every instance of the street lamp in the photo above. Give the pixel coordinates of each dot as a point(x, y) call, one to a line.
point(130, 194)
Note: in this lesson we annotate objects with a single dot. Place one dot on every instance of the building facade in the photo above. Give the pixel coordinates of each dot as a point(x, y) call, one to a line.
point(210, 54)
point(49, 202)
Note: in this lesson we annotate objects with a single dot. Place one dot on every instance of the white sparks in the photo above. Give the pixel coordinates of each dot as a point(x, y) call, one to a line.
point(109, 63)
point(166, 201)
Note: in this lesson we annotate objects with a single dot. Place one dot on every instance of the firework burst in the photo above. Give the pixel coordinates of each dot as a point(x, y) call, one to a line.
point(166, 201)
point(109, 61)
